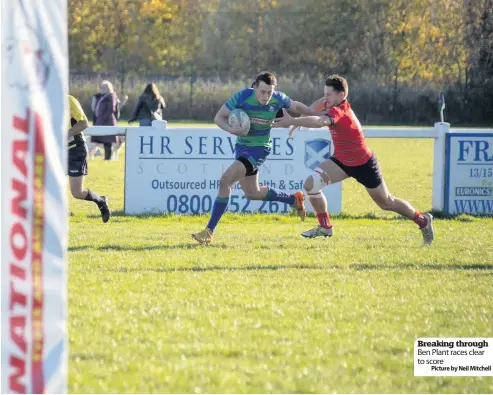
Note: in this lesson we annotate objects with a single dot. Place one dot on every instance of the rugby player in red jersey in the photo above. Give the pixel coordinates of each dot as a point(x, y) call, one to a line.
point(352, 158)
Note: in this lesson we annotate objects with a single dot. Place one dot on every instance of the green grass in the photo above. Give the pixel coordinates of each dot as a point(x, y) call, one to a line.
point(262, 310)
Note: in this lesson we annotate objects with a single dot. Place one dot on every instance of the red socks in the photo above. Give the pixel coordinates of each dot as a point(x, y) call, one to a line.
point(324, 220)
point(420, 220)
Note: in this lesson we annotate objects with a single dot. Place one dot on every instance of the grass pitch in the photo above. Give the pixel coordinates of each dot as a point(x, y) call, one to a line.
point(263, 310)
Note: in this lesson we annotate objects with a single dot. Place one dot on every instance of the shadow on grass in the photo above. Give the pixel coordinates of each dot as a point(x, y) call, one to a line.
point(87, 357)
point(116, 247)
point(436, 215)
point(307, 267)
point(116, 213)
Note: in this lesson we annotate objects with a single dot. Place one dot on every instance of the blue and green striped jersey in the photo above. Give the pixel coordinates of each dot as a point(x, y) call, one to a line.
point(261, 116)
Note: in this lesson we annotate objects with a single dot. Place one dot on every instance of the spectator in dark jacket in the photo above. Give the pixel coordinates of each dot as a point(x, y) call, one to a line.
point(149, 107)
point(94, 103)
point(94, 146)
point(106, 114)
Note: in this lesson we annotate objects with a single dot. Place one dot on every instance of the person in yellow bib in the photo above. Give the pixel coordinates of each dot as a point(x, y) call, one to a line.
point(77, 159)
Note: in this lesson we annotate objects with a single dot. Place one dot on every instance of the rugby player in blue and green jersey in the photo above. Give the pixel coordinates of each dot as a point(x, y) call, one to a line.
point(261, 102)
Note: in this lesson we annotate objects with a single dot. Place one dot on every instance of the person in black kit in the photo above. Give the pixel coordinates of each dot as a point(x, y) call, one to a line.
point(77, 159)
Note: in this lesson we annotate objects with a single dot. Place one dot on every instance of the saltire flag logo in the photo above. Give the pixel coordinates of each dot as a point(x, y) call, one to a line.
point(316, 151)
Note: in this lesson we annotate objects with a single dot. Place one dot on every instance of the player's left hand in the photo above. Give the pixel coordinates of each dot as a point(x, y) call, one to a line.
point(283, 122)
point(292, 130)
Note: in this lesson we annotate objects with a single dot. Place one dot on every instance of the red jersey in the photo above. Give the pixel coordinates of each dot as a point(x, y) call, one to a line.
point(349, 142)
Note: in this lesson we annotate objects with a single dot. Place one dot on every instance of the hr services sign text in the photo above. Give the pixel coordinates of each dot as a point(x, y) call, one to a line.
point(469, 173)
point(177, 170)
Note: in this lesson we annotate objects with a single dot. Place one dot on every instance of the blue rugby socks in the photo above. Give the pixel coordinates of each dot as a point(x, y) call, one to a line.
point(274, 195)
point(218, 209)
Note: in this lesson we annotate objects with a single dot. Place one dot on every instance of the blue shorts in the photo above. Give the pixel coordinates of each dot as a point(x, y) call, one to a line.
point(251, 157)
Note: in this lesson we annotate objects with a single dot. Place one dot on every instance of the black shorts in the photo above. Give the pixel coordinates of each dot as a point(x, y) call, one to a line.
point(367, 174)
point(77, 160)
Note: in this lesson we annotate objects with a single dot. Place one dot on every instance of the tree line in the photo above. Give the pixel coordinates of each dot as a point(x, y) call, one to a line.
point(397, 54)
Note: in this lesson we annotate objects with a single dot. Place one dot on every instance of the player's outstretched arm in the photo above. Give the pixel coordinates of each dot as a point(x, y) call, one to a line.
point(221, 120)
point(315, 121)
point(317, 105)
point(303, 109)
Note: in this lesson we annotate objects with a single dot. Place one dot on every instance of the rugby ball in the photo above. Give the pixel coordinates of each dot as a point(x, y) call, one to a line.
point(239, 119)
